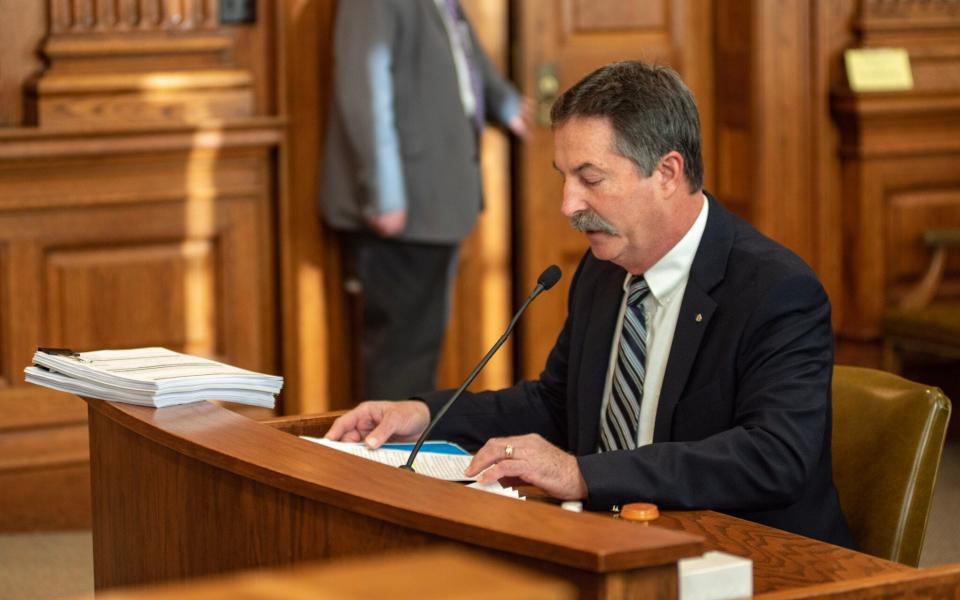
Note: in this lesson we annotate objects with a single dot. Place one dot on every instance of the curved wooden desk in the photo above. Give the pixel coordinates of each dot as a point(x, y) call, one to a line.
point(197, 489)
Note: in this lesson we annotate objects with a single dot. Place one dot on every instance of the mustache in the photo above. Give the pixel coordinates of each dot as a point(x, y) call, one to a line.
point(587, 220)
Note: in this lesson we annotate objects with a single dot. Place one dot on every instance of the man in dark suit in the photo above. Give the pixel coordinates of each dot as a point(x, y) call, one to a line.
point(401, 178)
point(694, 367)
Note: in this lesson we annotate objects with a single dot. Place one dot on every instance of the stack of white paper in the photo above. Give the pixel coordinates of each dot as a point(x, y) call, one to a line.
point(494, 487)
point(151, 377)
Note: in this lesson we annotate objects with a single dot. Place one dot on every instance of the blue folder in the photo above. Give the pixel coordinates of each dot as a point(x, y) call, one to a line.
point(437, 447)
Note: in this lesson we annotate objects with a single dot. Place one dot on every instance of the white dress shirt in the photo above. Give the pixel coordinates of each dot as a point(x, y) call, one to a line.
point(667, 280)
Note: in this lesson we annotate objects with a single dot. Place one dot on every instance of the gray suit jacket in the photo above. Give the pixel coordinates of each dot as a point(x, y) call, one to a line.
point(397, 135)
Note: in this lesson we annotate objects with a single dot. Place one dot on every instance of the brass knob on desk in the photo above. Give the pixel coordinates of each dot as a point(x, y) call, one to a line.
point(642, 512)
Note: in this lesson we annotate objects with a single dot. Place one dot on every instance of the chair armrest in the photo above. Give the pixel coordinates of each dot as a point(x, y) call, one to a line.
point(921, 294)
point(942, 237)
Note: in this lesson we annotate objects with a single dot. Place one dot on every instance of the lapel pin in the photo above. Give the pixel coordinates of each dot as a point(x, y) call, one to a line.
point(699, 317)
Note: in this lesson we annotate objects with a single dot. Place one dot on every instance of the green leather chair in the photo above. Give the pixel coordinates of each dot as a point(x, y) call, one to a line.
point(888, 434)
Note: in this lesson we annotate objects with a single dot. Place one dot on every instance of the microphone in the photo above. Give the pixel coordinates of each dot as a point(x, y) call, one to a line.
point(547, 279)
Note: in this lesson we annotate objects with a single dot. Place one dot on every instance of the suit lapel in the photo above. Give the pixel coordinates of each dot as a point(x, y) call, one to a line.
point(597, 338)
point(433, 12)
point(696, 310)
point(686, 343)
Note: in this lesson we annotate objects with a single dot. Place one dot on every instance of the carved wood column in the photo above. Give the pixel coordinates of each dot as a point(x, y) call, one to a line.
point(763, 119)
point(129, 62)
point(112, 16)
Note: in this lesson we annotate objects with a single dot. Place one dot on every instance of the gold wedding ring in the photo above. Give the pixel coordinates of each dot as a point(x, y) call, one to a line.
point(508, 451)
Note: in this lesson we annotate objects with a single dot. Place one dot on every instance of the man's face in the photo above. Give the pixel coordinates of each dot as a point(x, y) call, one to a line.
point(606, 195)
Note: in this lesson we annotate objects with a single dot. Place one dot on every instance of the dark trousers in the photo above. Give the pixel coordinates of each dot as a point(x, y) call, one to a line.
point(406, 295)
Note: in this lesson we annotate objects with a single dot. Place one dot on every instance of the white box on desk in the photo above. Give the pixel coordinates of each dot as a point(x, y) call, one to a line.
point(715, 576)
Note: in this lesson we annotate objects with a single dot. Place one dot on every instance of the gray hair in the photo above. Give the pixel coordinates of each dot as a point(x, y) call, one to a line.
point(650, 109)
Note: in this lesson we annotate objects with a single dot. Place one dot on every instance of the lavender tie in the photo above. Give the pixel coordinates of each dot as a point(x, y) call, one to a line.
point(469, 53)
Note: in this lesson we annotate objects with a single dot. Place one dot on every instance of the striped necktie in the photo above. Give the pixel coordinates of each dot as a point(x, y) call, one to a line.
point(621, 421)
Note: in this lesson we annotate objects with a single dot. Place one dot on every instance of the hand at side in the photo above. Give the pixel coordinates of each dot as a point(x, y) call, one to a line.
point(388, 224)
point(522, 123)
point(533, 460)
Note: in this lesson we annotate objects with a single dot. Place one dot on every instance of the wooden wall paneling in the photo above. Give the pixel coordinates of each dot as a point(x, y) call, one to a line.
point(927, 29)
point(911, 212)
point(44, 477)
point(4, 313)
point(734, 109)
point(112, 239)
point(831, 22)
point(695, 25)
point(764, 119)
point(24, 311)
point(151, 273)
point(537, 218)
point(44, 474)
point(900, 157)
point(564, 35)
point(81, 282)
point(782, 182)
point(863, 221)
point(43, 439)
point(315, 329)
point(160, 235)
point(82, 16)
point(893, 196)
point(617, 15)
point(21, 27)
point(27, 406)
point(255, 50)
point(483, 290)
point(161, 53)
point(778, 159)
point(131, 99)
point(156, 64)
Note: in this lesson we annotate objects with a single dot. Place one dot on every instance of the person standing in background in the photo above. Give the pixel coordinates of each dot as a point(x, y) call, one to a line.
point(401, 177)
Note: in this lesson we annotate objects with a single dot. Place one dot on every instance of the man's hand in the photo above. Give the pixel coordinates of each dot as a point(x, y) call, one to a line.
point(522, 122)
point(388, 224)
point(534, 460)
point(378, 421)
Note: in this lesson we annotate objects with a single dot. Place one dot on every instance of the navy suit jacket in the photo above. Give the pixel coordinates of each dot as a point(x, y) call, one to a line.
point(744, 419)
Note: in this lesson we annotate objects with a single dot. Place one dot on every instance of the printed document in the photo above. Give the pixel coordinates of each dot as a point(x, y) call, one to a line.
point(439, 465)
point(437, 459)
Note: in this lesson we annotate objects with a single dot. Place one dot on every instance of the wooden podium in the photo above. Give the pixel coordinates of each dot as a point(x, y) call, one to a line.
point(197, 489)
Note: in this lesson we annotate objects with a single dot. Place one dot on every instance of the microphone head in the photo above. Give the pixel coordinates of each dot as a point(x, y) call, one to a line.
point(549, 277)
